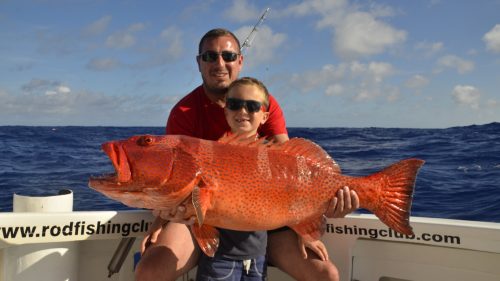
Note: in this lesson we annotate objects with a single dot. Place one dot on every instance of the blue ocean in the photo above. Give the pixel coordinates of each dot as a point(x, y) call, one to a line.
point(460, 179)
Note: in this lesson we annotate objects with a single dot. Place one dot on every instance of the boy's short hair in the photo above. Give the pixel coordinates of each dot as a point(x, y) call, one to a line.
point(216, 33)
point(250, 81)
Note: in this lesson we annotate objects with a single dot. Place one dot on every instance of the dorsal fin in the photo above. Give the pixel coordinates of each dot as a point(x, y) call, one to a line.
point(293, 147)
point(306, 148)
point(242, 140)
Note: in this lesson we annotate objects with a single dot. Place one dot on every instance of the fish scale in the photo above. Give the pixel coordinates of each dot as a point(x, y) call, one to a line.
point(246, 184)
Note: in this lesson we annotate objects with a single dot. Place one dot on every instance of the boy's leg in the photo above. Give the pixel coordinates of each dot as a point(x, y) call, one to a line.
point(283, 252)
point(174, 254)
point(218, 269)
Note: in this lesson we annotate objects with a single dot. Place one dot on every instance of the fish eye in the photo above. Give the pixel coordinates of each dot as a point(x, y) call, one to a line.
point(146, 140)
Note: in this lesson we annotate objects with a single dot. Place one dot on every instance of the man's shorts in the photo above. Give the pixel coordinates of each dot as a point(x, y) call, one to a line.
point(219, 268)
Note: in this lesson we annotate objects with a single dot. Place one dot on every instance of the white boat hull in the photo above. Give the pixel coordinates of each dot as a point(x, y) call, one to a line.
point(360, 245)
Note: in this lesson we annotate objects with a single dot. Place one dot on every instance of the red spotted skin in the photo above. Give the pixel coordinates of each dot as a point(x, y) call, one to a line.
point(263, 183)
point(247, 185)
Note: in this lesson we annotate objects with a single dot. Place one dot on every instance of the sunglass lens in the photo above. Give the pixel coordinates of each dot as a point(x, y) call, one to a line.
point(234, 104)
point(209, 56)
point(253, 106)
point(229, 56)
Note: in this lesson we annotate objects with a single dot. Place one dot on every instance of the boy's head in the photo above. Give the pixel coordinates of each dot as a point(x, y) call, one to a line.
point(247, 101)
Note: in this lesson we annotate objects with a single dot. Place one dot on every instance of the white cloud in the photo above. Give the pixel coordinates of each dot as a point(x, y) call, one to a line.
point(37, 84)
point(264, 47)
point(125, 38)
point(378, 71)
point(98, 26)
point(393, 94)
point(492, 39)
point(466, 95)
point(172, 36)
point(45, 102)
point(164, 49)
point(356, 80)
point(168, 47)
point(311, 80)
point(103, 64)
point(492, 103)
point(242, 11)
point(334, 90)
point(360, 34)
point(417, 81)
point(356, 33)
point(120, 40)
point(428, 48)
point(331, 10)
point(450, 61)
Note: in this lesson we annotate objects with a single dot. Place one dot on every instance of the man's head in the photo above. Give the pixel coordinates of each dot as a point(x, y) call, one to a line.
point(219, 60)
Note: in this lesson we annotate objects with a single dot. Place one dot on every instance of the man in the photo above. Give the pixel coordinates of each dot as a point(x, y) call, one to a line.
point(171, 250)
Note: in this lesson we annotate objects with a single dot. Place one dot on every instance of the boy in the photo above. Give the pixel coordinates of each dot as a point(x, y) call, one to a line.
point(241, 255)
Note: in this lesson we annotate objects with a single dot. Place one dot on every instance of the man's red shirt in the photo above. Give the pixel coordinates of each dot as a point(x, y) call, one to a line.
point(196, 116)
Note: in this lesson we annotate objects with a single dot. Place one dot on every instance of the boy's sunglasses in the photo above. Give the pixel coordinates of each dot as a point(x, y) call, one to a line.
point(211, 56)
point(251, 106)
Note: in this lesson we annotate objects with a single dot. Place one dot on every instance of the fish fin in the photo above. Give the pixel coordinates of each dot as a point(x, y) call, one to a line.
point(237, 139)
point(395, 194)
point(313, 153)
point(201, 199)
point(244, 139)
point(311, 229)
point(207, 237)
point(295, 147)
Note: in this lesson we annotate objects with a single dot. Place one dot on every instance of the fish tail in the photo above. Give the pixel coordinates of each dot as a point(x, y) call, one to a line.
point(394, 188)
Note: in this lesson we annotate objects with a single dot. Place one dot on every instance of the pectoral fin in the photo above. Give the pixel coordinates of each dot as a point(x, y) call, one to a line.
point(311, 229)
point(202, 200)
point(207, 237)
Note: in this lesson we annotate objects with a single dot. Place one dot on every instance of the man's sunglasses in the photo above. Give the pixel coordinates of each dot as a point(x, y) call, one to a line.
point(251, 106)
point(211, 56)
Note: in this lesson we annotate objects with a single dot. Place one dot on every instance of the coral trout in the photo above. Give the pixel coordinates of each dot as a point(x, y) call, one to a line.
point(242, 184)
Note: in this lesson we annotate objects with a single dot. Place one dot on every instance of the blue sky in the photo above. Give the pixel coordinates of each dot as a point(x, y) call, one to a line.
point(330, 63)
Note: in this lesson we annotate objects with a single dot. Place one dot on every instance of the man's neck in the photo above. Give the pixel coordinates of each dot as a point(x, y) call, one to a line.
point(216, 97)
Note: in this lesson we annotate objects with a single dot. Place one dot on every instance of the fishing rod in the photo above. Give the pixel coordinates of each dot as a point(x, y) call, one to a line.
point(248, 41)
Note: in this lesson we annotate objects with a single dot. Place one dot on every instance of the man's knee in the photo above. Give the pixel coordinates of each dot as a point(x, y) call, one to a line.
point(328, 273)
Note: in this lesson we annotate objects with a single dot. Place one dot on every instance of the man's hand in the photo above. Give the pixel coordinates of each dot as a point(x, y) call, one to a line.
point(344, 203)
point(316, 246)
point(152, 235)
point(178, 215)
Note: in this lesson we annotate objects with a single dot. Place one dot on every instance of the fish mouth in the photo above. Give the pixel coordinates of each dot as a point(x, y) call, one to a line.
point(118, 157)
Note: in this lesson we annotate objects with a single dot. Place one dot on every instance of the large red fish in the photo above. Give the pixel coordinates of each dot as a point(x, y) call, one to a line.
point(247, 185)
